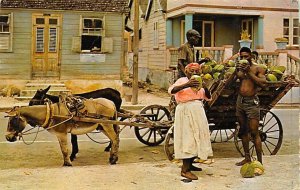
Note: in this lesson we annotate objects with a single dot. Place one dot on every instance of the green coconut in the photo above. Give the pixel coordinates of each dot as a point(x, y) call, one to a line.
point(247, 171)
point(263, 66)
point(206, 69)
point(277, 73)
point(216, 75)
point(231, 69)
point(258, 167)
point(207, 76)
point(243, 61)
point(271, 77)
point(280, 68)
point(218, 68)
point(231, 63)
point(199, 79)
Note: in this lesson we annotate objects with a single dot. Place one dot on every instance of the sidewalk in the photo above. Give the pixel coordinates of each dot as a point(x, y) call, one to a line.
point(281, 173)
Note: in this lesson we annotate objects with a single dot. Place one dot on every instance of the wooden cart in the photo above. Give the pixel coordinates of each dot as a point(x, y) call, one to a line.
point(223, 123)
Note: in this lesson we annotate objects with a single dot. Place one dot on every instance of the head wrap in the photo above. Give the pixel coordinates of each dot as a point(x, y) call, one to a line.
point(192, 66)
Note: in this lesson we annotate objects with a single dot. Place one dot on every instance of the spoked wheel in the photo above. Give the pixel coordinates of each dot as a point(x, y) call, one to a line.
point(169, 144)
point(153, 136)
point(271, 133)
point(222, 135)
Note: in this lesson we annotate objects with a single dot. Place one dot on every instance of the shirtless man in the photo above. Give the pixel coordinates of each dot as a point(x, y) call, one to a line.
point(251, 77)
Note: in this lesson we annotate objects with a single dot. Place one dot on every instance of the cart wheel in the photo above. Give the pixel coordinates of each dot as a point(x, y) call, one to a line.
point(222, 135)
point(153, 136)
point(169, 144)
point(271, 133)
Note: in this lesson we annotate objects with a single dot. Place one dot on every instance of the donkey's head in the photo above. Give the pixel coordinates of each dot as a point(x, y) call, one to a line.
point(16, 124)
point(39, 97)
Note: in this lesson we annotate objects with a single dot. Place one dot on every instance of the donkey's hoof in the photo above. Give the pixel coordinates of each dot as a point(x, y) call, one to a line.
point(107, 149)
point(72, 157)
point(67, 164)
point(113, 160)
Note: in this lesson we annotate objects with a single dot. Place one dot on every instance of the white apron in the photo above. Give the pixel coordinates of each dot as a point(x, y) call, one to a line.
point(191, 131)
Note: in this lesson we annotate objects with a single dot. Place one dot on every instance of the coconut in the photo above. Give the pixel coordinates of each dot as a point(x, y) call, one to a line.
point(207, 76)
point(216, 75)
point(258, 167)
point(252, 169)
point(206, 69)
point(247, 171)
point(199, 79)
point(277, 73)
point(271, 77)
point(243, 61)
point(231, 69)
point(280, 68)
point(231, 63)
point(263, 66)
point(218, 68)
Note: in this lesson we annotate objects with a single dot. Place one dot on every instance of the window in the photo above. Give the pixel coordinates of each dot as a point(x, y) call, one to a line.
point(92, 33)
point(291, 30)
point(155, 35)
point(5, 33)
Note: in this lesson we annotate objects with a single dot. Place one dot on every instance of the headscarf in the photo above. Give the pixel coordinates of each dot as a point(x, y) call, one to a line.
point(192, 66)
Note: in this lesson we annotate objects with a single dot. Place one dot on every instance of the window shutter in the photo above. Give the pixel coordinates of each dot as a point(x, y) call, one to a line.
point(4, 42)
point(76, 44)
point(107, 45)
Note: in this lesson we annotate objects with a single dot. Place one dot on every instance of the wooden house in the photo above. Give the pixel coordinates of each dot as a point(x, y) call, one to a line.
point(164, 24)
point(62, 39)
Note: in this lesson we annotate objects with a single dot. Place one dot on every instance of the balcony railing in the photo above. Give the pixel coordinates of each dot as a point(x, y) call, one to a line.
point(292, 63)
point(293, 67)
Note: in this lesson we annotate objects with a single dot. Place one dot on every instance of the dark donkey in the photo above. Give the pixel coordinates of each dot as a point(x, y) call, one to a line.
point(107, 93)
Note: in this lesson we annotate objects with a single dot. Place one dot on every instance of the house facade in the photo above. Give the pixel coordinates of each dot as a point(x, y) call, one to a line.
point(62, 40)
point(220, 24)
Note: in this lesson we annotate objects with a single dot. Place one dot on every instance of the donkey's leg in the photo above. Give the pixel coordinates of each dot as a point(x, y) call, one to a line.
point(74, 147)
point(109, 131)
point(63, 142)
point(117, 130)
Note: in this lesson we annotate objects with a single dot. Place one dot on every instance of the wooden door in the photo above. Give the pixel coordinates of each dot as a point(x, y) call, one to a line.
point(46, 43)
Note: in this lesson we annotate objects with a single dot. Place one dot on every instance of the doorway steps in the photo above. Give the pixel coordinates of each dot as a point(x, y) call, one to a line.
point(31, 87)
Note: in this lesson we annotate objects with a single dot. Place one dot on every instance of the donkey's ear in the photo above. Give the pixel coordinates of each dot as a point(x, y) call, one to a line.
point(46, 89)
point(10, 114)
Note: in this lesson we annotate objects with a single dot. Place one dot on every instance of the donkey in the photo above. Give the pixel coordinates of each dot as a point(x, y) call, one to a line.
point(108, 93)
point(44, 115)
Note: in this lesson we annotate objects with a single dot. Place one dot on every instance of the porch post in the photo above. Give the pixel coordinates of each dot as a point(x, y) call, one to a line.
point(260, 36)
point(169, 32)
point(188, 22)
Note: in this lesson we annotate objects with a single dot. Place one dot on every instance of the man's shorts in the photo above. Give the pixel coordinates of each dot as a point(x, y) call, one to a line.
point(247, 107)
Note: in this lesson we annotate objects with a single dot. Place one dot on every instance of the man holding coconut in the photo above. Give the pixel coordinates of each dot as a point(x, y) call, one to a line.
point(251, 77)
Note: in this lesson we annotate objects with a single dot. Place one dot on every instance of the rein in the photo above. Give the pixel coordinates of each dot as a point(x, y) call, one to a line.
point(46, 125)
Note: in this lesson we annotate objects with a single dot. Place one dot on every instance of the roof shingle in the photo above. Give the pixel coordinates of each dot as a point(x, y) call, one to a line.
point(82, 5)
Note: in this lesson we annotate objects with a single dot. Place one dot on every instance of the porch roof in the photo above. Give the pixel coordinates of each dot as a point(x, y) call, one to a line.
point(120, 6)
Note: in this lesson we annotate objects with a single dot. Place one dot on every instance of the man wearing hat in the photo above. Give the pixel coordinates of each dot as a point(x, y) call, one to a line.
point(191, 130)
point(186, 52)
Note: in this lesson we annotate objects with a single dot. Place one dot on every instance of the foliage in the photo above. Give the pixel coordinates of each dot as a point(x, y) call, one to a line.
point(245, 35)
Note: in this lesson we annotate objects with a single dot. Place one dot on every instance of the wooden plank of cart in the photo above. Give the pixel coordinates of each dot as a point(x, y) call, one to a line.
point(151, 124)
point(223, 123)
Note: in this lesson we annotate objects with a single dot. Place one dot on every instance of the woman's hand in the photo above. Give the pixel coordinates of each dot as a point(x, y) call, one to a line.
point(192, 83)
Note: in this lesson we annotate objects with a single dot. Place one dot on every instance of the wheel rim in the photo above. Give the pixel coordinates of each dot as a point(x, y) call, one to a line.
point(169, 146)
point(153, 136)
point(271, 134)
